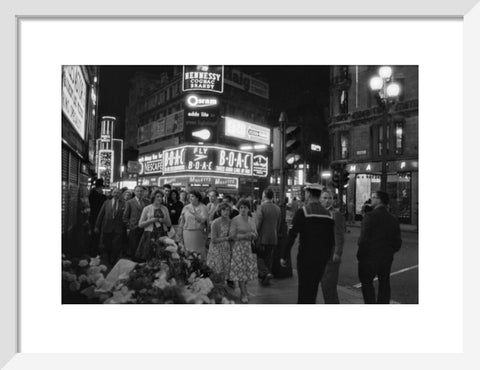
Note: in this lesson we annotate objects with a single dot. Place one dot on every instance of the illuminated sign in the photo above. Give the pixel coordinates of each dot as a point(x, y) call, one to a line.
point(202, 134)
point(74, 97)
point(193, 158)
point(207, 78)
point(316, 148)
point(151, 163)
point(247, 131)
point(104, 168)
point(260, 166)
point(200, 102)
point(203, 181)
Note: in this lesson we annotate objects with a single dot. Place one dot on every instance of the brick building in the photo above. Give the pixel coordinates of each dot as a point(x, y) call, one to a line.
point(356, 138)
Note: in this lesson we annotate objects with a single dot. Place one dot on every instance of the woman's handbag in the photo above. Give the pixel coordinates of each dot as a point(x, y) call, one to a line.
point(257, 248)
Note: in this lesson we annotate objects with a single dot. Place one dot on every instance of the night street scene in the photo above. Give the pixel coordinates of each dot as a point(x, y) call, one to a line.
point(248, 184)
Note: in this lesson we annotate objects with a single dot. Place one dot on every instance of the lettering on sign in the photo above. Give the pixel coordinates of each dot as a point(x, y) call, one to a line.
point(260, 166)
point(74, 97)
point(193, 158)
point(209, 78)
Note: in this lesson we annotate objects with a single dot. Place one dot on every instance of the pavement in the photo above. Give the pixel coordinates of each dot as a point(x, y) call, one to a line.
point(284, 291)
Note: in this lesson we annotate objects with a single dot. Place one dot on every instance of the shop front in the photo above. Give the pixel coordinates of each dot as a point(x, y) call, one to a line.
point(200, 167)
point(402, 188)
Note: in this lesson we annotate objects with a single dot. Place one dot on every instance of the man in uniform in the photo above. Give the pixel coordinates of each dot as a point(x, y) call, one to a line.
point(330, 276)
point(316, 228)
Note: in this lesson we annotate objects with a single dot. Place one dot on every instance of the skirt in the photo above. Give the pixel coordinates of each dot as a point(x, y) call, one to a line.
point(194, 241)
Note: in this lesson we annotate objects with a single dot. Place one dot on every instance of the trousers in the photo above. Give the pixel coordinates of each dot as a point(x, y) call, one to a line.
point(329, 283)
point(264, 260)
point(368, 269)
point(309, 277)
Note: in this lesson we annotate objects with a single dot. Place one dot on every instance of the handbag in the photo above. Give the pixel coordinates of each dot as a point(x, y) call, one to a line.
point(257, 248)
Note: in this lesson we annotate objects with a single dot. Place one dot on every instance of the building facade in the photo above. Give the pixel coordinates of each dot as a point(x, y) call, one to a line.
point(79, 109)
point(357, 138)
point(176, 113)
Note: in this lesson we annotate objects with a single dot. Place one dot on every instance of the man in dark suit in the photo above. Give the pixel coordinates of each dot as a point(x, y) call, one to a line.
point(131, 216)
point(110, 224)
point(268, 226)
point(379, 240)
point(330, 277)
point(316, 228)
point(96, 198)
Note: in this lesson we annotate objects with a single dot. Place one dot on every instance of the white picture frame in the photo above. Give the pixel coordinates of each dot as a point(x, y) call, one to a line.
point(14, 11)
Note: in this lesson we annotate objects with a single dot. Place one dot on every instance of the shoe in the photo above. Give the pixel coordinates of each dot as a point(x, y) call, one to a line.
point(244, 299)
point(266, 280)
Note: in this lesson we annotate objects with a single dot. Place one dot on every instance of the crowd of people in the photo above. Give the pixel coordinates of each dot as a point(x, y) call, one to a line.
point(237, 237)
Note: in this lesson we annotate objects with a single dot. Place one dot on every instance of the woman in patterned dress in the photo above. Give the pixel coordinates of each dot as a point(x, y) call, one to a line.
point(243, 267)
point(219, 253)
point(193, 223)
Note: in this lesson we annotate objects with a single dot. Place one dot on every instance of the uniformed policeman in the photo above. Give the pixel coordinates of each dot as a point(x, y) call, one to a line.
point(316, 228)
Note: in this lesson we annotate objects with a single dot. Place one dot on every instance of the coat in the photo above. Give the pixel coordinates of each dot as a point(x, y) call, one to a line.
point(109, 218)
point(132, 213)
point(380, 235)
point(268, 217)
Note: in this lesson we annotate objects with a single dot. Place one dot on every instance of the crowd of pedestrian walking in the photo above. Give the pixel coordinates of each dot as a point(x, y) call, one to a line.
point(238, 238)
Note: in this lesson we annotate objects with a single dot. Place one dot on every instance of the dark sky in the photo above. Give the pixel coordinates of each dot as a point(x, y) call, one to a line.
point(292, 88)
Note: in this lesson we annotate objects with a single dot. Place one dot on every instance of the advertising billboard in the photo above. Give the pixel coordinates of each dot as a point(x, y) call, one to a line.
point(247, 131)
point(105, 164)
point(169, 125)
point(245, 82)
point(260, 166)
point(203, 78)
point(74, 97)
point(212, 159)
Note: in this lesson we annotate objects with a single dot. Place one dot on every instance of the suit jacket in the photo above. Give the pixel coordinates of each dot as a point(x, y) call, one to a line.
point(268, 223)
point(110, 217)
point(339, 221)
point(132, 213)
point(380, 235)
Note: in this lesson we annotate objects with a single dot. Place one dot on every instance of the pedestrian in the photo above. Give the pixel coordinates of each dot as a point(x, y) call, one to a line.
point(330, 276)
point(243, 266)
point(184, 197)
point(155, 221)
point(147, 194)
point(175, 207)
point(213, 204)
point(127, 195)
point(379, 240)
point(96, 198)
point(219, 253)
point(316, 228)
point(193, 223)
point(110, 226)
point(131, 216)
point(167, 188)
point(268, 218)
point(228, 199)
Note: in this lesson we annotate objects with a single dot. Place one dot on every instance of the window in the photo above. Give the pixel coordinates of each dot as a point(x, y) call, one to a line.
point(343, 101)
point(380, 143)
point(344, 139)
point(399, 135)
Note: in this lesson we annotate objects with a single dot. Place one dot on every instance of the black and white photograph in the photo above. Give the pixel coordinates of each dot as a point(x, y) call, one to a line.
point(240, 184)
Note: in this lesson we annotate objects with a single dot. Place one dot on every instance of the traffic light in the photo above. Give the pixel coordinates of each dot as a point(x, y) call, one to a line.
point(292, 142)
point(345, 178)
point(336, 178)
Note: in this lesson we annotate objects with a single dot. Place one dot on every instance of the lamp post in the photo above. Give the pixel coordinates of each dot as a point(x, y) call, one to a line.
point(283, 178)
point(387, 92)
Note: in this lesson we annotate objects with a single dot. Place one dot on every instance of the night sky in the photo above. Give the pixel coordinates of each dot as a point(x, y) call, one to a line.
point(299, 90)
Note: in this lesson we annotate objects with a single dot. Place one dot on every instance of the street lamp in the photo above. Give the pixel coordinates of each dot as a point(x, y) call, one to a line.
point(387, 92)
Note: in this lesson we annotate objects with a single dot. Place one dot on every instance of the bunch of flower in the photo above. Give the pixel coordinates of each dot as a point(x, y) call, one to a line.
point(80, 274)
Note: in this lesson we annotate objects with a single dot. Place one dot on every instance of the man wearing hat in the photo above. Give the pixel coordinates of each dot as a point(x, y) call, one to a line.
point(96, 198)
point(316, 228)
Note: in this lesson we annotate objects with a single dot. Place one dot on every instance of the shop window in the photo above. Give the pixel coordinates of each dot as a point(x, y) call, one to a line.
point(344, 142)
